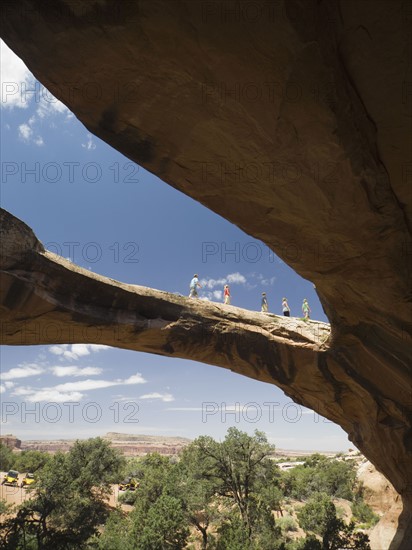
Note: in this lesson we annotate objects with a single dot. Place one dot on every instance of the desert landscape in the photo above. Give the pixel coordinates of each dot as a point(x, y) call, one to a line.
point(379, 493)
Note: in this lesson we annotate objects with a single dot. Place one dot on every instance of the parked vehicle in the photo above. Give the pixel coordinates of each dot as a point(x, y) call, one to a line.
point(11, 478)
point(28, 480)
point(128, 484)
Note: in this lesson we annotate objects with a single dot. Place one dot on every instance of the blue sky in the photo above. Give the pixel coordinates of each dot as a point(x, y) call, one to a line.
point(87, 202)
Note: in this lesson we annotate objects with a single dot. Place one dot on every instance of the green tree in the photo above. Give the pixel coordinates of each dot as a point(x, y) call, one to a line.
point(240, 470)
point(4, 507)
point(309, 543)
point(6, 457)
point(319, 474)
point(319, 516)
point(128, 497)
point(337, 478)
point(197, 492)
point(158, 520)
point(31, 461)
point(233, 534)
point(162, 527)
point(155, 478)
point(116, 534)
point(69, 502)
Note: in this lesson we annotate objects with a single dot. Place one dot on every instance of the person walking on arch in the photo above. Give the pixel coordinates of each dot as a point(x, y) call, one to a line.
point(226, 295)
point(285, 307)
point(194, 284)
point(306, 309)
point(265, 306)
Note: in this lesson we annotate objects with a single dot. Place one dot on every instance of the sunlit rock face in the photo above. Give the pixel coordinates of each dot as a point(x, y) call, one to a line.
point(10, 441)
point(290, 119)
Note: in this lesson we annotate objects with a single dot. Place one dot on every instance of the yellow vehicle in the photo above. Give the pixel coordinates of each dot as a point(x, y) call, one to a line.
point(11, 478)
point(128, 484)
point(28, 480)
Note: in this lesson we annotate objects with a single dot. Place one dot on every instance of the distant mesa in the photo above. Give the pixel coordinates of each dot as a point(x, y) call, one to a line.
point(128, 444)
point(10, 441)
point(137, 445)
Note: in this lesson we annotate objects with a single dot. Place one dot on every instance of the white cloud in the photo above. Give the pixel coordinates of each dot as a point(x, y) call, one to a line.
point(211, 283)
point(209, 294)
point(166, 397)
point(22, 371)
point(21, 390)
point(91, 347)
point(212, 296)
point(75, 350)
point(38, 141)
point(15, 78)
point(50, 105)
point(51, 395)
point(20, 89)
point(232, 278)
point(123, 398)
point(266, 281)
point(58, 350)
point(209, 290)
point(25, 132)
point(2, 388)
point(90, 144)
point(185, 409)
point(75, 371)
point(85, 385)
point(135, 379)
point(236, 278)
point(72, 391)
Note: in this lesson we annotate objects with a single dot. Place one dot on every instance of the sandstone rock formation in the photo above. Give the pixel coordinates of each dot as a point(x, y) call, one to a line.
point(10, 441)
point(290, 119)
point(139, 445)
point(384, 501)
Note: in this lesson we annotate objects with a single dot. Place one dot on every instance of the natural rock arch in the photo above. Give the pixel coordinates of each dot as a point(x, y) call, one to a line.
point(328, 137)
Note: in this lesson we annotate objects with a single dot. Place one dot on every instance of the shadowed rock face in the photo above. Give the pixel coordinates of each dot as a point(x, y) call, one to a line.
point(292, 121)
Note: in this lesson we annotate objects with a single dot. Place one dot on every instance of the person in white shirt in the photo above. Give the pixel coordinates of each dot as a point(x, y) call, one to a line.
point(194, 284)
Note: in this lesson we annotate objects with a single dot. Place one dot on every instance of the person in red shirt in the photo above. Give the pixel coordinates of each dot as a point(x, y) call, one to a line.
point(226, 295)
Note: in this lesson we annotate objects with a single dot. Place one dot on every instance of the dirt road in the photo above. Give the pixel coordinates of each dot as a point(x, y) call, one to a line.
point(17, 495)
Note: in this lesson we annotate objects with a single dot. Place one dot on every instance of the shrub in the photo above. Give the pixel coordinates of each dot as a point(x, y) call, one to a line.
point(362, 513)
point(287, 523)
point(128, 497)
